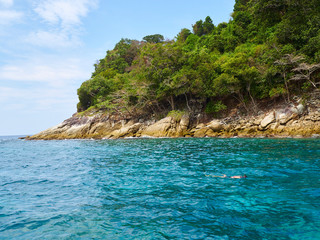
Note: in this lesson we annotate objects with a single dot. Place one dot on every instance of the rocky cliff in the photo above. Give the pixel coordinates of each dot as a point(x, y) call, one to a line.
point(284, 120)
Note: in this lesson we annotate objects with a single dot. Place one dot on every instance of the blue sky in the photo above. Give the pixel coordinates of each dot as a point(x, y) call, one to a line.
point(48, 48)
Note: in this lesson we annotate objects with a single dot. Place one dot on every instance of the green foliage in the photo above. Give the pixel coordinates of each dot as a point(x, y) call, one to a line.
point(198, 28)
point(208, 26)
point(183, 35)
point(203, 27)
point(259, 53)
point(176, 114)
point(287, 49)
point(92, 91)
point(156, 38)
point(214, 107)
point(277, 91)
point(312, 48)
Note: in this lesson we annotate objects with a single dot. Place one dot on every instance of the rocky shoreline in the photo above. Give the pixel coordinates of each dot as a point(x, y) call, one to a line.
point(295, 120)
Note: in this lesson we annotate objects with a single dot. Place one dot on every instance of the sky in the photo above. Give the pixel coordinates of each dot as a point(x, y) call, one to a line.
point(48, 48)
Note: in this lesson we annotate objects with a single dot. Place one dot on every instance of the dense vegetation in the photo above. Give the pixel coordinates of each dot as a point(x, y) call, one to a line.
point(269, 49)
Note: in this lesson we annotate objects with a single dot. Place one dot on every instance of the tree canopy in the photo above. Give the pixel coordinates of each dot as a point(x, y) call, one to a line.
point(251, 57)
point(156, 38)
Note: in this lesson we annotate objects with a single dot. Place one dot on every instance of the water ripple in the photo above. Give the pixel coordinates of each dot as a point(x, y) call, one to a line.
point(159, 189)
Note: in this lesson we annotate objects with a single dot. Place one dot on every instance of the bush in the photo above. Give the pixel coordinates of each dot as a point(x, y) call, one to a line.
point(92, 92)
point(278, 91)
point(176, 114)
point(214, 107)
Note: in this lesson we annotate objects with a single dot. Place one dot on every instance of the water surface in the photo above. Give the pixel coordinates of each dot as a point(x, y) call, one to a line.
point(160, 189)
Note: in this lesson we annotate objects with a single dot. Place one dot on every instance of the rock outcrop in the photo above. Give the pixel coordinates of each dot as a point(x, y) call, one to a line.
point(300, 120)
point(162, 128)
point(270, 118)
point(216, 126)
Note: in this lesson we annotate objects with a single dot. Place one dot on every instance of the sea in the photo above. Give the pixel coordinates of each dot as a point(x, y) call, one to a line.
point(160, 189)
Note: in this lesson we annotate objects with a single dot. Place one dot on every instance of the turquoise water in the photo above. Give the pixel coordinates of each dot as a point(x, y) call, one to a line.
point(160, 189)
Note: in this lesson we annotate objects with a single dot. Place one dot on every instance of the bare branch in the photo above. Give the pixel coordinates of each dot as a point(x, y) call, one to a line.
point(289, 59)
point(314, 68)
point(299, 77)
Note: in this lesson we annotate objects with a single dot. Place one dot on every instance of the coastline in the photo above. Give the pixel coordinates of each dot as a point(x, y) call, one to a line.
point(290, 121)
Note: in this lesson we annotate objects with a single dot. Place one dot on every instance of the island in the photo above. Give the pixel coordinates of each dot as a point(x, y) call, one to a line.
point(256, 76)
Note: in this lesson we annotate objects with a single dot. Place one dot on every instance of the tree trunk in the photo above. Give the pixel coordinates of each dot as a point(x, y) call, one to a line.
point(241, 99)
point(255, 108)
point(287, 88)
point(171, 102)
point(187, 102)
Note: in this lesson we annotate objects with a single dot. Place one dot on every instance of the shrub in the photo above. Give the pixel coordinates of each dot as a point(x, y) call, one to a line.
point(176, 114)
point(214, 107)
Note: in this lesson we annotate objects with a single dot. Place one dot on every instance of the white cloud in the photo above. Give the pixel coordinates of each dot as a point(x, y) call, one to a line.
point(6, 3)
point(42, 84)
point(36, 99)
point(64, 18)
point(64, 12)
point(9, 16)
point(54, 73)
point(54, 39)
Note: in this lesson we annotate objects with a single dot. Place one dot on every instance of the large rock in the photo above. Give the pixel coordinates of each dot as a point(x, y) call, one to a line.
point(270, 118)
point(285, 118)
point(300, 109)
point(200, 125)
point(78, 130)
point(215, 125)
point(227, 127)
point(182, 129)
point(257, 121)
point(159, 129)
point(184, 122)
point(101, 128)
point(282, 118)
point(75, 127)
point(128, 130)
point(200, 133)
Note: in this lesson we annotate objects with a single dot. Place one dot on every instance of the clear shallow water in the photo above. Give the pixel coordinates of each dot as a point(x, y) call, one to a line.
point(158, 189)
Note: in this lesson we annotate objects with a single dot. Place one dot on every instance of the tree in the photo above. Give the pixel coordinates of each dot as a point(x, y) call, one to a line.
point(256, 54)
point(312, 48)
point(183, 35)
point(240, 5)
point(304, 72)
point(198, 28)
point(156, 38)
point(91, 90)
point(286, 64)
point(208, 26)
point(269, 12)
point(203, 27)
